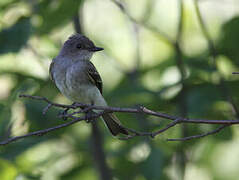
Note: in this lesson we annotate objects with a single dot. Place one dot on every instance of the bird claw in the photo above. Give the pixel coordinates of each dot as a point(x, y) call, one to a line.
point(88, 116)
point(63, 114)
point(88, 120)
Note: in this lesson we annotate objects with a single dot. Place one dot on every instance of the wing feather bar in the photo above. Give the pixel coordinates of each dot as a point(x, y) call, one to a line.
point(94, 77)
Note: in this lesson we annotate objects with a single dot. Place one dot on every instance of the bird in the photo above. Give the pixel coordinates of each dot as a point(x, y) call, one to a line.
point(77, 78)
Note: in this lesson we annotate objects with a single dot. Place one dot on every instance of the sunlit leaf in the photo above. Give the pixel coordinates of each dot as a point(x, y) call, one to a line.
point(7, 170)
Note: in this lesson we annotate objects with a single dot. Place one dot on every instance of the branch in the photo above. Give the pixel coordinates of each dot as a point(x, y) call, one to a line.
point(205, 31)
point(97, 140)
point(139, 110)
point(143, 24)
point(45, 131)
point(213, 51)
point(199, 135)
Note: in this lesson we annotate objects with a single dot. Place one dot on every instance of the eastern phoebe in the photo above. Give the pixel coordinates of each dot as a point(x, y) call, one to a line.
point(77, 78)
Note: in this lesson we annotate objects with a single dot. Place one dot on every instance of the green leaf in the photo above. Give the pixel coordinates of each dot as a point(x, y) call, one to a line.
point(228, 44)
point(56, 13)
point(13, 38)
point(200, 99)
point(5, 114)
point(7, 170)
point(4, 3)
point(155, 162)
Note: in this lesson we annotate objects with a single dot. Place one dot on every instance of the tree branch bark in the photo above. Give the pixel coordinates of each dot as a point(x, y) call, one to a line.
point(105, 109)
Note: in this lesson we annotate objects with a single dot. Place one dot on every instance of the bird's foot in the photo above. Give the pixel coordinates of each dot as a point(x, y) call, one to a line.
point(74, 104)
point(63, 114)
point(88, 116)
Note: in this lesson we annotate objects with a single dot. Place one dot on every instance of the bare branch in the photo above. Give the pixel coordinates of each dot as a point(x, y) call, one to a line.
point(141, 109)
point(177, 121)
point(199, 135)
point(150, 27)
point(213, 51)
point(45, 131)
point(133, 133)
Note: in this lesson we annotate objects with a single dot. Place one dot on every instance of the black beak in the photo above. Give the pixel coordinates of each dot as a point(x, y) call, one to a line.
point(94, 49)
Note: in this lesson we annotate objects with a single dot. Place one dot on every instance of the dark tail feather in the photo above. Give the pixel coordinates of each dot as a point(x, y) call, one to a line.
point(113, 124)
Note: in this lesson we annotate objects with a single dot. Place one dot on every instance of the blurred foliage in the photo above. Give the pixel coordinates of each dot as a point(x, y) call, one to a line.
point(141, 69)
point(13, 38)
point(55, 13)
point(228, 42)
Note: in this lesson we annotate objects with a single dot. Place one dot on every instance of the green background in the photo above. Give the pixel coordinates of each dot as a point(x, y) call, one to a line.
point(175, 57)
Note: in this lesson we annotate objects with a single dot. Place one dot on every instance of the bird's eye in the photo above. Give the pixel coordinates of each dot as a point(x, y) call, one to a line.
point(79, 46)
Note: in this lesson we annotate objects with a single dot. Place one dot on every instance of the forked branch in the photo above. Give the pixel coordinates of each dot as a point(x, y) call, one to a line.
point(133, 133)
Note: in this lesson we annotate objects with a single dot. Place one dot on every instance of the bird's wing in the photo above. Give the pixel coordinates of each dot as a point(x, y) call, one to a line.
point(94, 76)
point(50, 71)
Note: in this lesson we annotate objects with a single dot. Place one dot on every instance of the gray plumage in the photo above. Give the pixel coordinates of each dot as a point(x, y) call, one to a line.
point(77, 78)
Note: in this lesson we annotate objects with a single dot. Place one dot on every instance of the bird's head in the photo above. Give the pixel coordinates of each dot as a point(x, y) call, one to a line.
point(80, 47)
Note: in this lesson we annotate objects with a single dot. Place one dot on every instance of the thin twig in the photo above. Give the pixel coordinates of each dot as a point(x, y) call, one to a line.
point(45, 131)
point(46, 109)
point(224, 88)
point(141, 109)
point(49, 102)
point(104, 110)
point(205, 31)
point(150, 27)
point(177, 121)
point(199, 135)
point(182, 104)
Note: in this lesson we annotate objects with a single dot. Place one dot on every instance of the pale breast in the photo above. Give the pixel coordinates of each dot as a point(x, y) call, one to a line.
point(59, 70)
point(72, 80)
point(79, 88)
